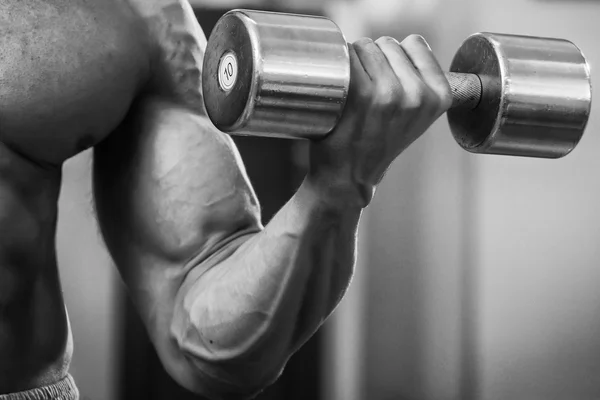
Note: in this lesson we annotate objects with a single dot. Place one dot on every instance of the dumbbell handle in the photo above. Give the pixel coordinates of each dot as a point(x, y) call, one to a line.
point(466, 90)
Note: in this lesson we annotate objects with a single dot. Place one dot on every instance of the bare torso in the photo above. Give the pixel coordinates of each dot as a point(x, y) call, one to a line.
point(34, 337)
point(70, 71)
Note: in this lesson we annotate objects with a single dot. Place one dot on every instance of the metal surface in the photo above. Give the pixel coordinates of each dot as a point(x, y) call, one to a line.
point(536, 97)
point(286, 75)
point(273, 74)
point(466, 90)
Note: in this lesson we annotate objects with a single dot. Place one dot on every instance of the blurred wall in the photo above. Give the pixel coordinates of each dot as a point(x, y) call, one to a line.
point(90, 285)
point(483, 271)
point(538, 239)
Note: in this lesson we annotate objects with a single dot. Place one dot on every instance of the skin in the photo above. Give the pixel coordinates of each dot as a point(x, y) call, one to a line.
point(226, 301)
point(69, 73)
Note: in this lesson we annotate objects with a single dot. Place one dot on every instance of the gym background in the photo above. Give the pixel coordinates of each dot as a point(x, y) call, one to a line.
point(478, 276)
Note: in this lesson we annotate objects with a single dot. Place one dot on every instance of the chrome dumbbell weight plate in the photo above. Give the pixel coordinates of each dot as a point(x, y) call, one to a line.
point(272, 74)
point(536, 96)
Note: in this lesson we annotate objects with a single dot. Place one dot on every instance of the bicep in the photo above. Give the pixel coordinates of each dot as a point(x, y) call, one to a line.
point(170, 190)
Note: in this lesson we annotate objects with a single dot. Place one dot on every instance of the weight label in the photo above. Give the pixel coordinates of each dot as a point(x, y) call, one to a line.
point(228, 70)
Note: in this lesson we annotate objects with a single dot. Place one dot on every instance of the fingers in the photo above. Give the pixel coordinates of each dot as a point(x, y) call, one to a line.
point(373, 60)
point(412, 84)
point(358, 75)
point(420, 55)
point(384, 91)
point(404, 74)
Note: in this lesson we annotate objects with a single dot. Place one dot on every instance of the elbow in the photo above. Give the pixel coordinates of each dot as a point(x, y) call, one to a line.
point(227, 381)
point(227, 369)
point(235, 379)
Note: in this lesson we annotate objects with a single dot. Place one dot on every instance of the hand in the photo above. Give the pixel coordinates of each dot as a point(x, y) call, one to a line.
point(397, 91)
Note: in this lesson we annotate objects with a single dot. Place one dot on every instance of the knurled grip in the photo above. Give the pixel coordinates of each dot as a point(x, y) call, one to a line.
point(466, 90)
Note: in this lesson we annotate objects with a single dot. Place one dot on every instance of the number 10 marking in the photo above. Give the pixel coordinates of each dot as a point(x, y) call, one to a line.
point(228, 70)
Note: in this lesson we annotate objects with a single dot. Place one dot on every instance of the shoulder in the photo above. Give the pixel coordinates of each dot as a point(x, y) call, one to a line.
point(179, 44)
point(70, 70)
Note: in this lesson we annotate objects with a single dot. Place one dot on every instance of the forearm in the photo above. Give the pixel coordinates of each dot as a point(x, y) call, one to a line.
point(267, 294)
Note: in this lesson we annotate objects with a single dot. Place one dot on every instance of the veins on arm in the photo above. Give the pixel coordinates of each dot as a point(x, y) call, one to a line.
point(179, 50)
point(170, 191)
point(217, 290)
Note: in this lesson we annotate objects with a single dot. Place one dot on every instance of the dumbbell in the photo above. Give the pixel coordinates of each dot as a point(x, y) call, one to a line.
point(288, 75)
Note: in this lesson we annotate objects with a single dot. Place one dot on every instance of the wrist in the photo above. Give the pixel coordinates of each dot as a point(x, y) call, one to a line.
point(338, 193)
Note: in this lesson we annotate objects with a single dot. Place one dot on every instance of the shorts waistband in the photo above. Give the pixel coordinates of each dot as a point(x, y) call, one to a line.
point(64, 389)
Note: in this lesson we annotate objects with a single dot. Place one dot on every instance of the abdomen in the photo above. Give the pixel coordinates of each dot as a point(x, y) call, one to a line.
point(35, 343)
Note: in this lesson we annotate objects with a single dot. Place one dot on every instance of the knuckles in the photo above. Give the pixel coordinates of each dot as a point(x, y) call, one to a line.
point(415, 101)
point(388, 39)
point(445, 97)
point(440, 97)
point(363, 43)
point(415, 40)
point(391, 98)
point(418, 96)
point(387, 98)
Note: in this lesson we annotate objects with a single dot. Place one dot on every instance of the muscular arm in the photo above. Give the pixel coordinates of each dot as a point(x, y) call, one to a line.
point(226, 302)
